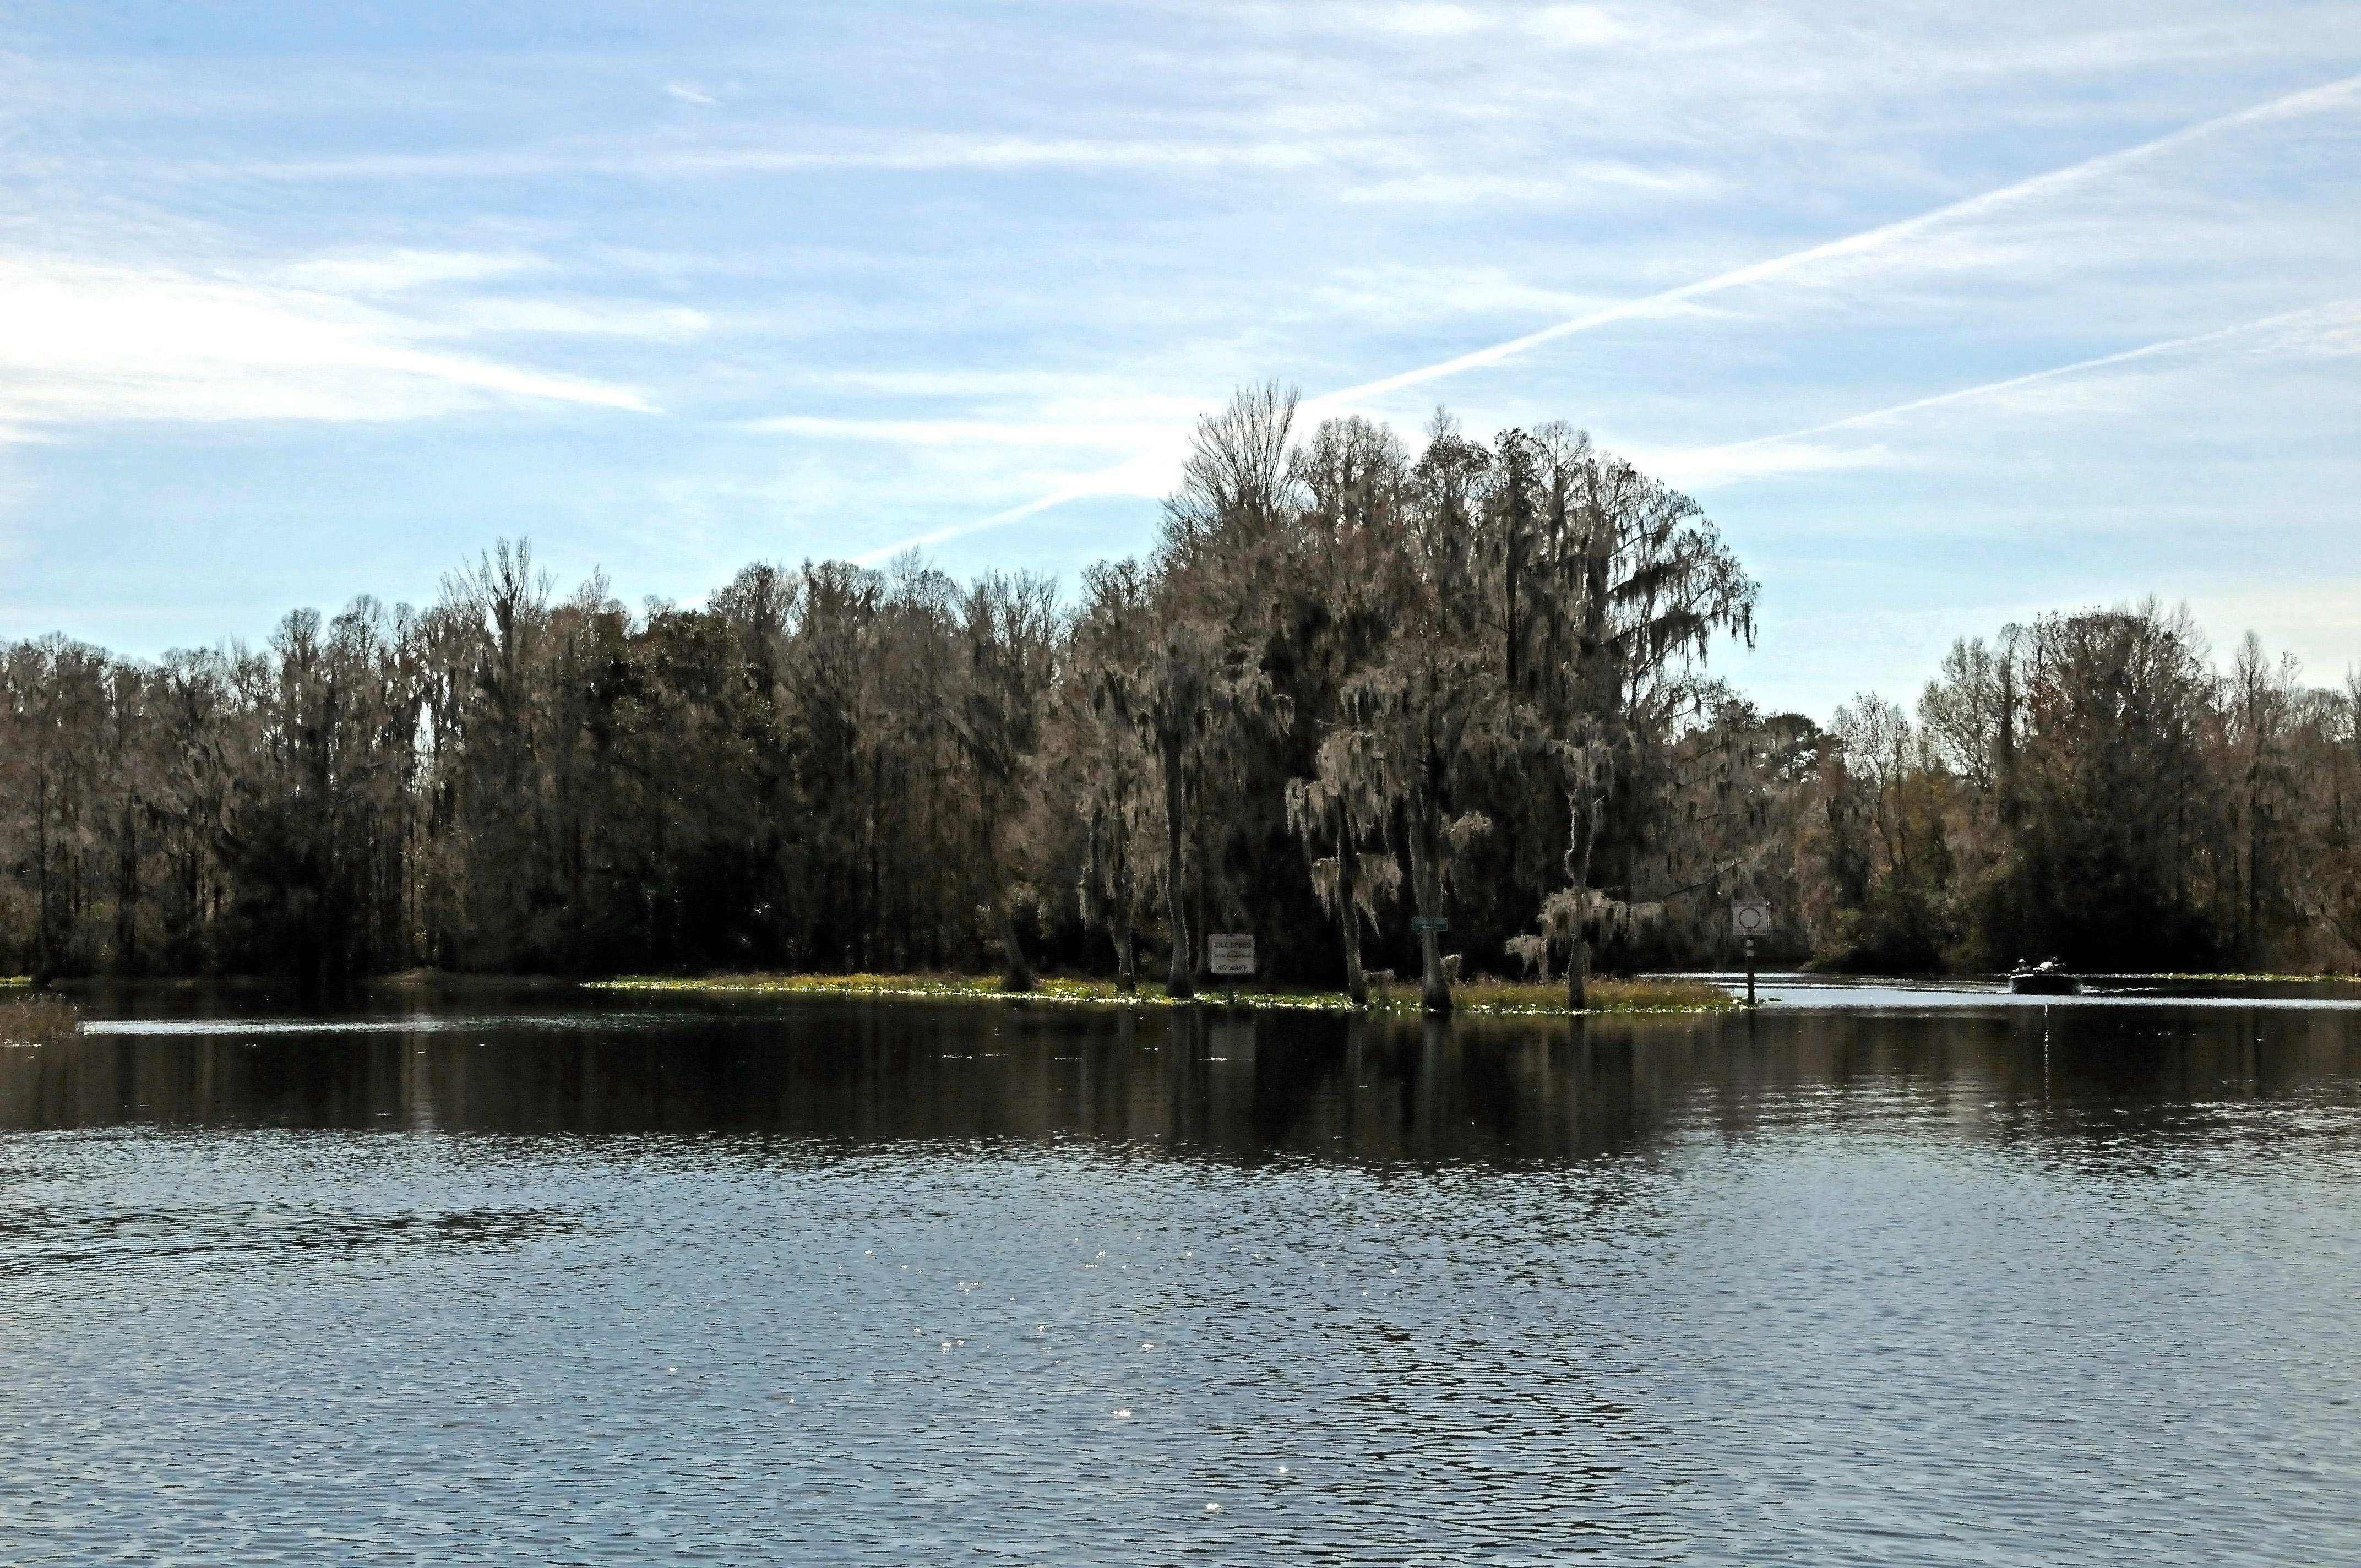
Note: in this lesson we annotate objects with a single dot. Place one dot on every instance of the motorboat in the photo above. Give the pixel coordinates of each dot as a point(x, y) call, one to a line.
point(2042, 980)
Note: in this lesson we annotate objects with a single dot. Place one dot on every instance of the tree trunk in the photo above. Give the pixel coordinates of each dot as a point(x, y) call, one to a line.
point(44, 959)
point(127, 895)
point(1126, 972)
point(1577, 868)
point(1109, 876)
point(1348, 919)
point(1015, 973)
point(2255, 855)
point(1181, 982)
point(1426, 896)
point(1200, 959)
point(1127, 969)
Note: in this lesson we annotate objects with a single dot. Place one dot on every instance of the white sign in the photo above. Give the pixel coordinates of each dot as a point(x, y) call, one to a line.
point(1229, 955)
point(1750, 918)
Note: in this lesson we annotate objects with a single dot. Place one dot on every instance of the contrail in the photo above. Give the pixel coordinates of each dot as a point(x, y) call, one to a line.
point(1864, 243)
point(2311, 100)
point(1074, 491)
point(1105, 481)
point(2149, 351)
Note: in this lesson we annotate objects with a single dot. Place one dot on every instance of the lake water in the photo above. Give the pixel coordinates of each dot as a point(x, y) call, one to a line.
point(1877, 1274)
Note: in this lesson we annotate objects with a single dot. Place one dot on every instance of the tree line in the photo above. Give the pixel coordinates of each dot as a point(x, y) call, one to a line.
point(2093, 786)
point(1354, 695)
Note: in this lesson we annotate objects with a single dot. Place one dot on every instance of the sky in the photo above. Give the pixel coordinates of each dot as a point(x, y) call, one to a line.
point(1949, 315)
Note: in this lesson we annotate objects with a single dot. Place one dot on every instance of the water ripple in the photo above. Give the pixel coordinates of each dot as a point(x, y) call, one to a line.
point(1828, 1290)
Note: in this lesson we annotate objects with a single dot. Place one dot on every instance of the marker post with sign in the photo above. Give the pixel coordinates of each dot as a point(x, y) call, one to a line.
point(1749, 919)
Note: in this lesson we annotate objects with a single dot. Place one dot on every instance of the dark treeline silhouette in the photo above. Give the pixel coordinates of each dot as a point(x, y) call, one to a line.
point(1350, 688)
point(2092, 786)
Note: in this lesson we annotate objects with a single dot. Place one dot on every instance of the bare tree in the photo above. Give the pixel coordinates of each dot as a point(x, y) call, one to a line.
point(1010, 635)
point(1111, 637)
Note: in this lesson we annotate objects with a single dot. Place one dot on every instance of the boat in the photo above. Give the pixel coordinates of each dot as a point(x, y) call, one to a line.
point(2042, 980)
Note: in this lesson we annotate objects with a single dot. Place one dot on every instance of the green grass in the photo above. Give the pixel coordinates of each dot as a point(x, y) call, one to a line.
point(1480, 998)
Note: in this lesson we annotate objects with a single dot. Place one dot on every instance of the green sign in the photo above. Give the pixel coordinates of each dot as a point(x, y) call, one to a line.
point(1425, 923)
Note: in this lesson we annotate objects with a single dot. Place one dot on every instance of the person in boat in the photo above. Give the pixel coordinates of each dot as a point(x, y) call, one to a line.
point(2048, 978)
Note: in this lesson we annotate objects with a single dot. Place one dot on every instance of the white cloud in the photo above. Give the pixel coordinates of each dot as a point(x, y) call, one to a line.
point(1579, 26)
point(1558, 186)
point(904, 154)
point(1428, 20)
point(1707, 467)
point(2331, 331)
point(396, 270)
point(85, 342)
point(966, 433)
point(578, 318)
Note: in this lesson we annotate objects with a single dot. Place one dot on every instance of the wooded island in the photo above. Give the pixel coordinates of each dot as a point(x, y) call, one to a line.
point(1350, 688)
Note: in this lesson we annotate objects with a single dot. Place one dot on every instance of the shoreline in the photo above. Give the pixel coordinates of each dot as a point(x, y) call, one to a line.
point(1497, 999)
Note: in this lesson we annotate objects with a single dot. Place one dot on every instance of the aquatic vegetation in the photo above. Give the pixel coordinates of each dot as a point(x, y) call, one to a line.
point(1478, 998)
point(37, 1018)
point(2255, 978)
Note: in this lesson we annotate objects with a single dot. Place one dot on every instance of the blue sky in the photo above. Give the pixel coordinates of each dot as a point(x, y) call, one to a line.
point(1948, 315)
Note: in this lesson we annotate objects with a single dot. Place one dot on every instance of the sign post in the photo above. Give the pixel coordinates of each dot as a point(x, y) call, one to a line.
point(1228, 956)
point(1750, 917)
